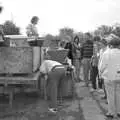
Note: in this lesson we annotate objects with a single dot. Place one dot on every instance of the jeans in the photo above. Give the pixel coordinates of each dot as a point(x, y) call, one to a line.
point(55, 80)
point(86, 69)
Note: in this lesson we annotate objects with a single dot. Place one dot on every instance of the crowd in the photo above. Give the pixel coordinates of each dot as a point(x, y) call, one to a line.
point(100, 59)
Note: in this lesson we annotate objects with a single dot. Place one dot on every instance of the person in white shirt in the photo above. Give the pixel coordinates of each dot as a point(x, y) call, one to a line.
point(109, 68)
point(55, 73)
point(31, 29)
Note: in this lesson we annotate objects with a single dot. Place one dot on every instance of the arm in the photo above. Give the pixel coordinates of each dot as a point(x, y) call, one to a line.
point(103, 63)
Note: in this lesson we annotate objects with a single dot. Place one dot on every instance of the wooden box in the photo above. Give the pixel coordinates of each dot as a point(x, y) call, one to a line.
point(16, 41)
point(16, 60)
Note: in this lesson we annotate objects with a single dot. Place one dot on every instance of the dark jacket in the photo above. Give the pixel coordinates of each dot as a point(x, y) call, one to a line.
point(69, 47)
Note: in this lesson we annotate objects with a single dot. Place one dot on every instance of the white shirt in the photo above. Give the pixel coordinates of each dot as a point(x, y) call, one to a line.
point(47, 65)
point(31, 30)
point(110, 65)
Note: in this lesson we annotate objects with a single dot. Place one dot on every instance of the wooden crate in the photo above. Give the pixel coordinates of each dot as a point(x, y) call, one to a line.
point(16, 60)
point(16, 41)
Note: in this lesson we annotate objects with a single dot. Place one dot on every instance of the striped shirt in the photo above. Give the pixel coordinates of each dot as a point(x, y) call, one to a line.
point(87, 49)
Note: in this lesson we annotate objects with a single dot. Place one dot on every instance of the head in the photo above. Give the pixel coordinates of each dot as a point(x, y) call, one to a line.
point(88, 36)
point(62, 44)
point(113, 41)
point(103, 43)
point(96, 38)
point(76, 39)
point(34, 20)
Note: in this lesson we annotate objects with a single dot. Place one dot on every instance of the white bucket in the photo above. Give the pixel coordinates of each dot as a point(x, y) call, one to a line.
point(36, 58)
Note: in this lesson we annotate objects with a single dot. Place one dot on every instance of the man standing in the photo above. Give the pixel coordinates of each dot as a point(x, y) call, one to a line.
point(87, 53)
point(109, 69)
point(55, 73)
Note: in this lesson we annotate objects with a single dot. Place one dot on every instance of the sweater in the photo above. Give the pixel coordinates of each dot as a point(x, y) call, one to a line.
point(109, 66)
point(87, 49)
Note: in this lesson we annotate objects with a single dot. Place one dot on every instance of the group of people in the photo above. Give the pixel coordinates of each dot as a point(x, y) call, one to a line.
point(100, 59)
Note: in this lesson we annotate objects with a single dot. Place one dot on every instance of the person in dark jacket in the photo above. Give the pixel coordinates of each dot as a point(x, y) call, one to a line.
point(94, 63)
point(69, 47)
point(87, 53)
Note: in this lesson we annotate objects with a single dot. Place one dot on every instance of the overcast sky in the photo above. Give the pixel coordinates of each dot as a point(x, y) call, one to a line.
point(81, 15)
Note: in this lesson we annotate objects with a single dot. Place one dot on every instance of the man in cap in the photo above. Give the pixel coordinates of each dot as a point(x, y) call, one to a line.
point(109, 68)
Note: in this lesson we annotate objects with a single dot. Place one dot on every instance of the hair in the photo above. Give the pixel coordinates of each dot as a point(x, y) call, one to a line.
point(114, 41)
point(97, 38)
point(76, 37)
point(88, 34)
point(34, 18)
point(103, 41)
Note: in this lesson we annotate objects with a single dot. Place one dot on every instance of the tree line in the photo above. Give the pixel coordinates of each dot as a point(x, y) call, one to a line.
point(66, 33)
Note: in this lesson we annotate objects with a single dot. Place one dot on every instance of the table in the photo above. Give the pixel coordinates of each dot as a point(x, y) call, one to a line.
point(6, 81)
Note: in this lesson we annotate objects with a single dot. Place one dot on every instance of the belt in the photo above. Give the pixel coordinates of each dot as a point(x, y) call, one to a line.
point(57, 66)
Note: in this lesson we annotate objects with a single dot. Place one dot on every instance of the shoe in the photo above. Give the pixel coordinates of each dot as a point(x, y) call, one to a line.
point(109, 115)
point(100, 91)
point(52, 110)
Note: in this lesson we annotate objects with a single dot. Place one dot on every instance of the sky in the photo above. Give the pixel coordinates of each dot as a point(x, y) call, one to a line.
point(81, 15)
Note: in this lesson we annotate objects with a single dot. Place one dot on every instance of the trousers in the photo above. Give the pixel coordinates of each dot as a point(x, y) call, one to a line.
point(111, 93)
point(55, 81)
point(86, 69)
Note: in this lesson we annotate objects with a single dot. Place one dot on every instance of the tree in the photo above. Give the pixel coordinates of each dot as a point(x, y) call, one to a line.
point(9, 28)
point(103, 30)
point(66, 33)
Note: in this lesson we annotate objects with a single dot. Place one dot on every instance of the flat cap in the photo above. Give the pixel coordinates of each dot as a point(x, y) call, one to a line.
point(113, 39)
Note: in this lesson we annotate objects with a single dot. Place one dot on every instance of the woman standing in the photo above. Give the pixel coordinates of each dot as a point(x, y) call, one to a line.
point(76, 55)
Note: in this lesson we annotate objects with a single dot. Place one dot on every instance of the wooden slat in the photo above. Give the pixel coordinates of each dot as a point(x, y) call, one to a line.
point(28, 79)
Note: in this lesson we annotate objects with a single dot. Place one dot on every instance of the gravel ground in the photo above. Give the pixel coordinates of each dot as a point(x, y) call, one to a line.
point(31, 107)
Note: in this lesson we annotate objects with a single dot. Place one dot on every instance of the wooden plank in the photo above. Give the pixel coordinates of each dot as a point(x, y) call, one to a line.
point(27, 79)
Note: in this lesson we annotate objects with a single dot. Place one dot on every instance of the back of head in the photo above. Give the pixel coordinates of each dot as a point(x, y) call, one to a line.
point(113, 40)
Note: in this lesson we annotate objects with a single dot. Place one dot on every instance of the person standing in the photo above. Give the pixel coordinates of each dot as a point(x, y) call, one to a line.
point(87, 53)
point(94, 64)
point(76, 56)
point(109, 68)
point(55, 73)
point(32, 31)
